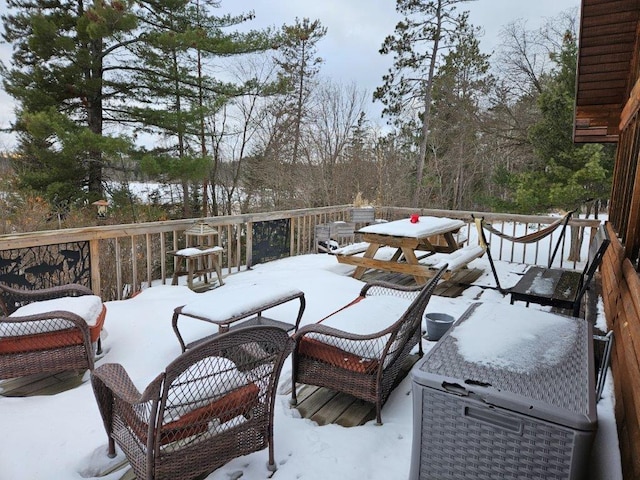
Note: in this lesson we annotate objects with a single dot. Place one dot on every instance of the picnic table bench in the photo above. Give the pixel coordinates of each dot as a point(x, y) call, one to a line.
point(228, 305)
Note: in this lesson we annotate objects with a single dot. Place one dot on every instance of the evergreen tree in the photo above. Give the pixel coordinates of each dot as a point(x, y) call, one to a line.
point(566, 174)
point(299, 66)
point(61, 52)
point(182, 39)
point(417, 45)
point(92, 67)
point(456, 168)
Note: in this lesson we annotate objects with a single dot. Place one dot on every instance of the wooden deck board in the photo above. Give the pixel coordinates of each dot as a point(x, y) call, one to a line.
point(41, 384)
point(358, 413)
point(310, 405)
point(333, 409)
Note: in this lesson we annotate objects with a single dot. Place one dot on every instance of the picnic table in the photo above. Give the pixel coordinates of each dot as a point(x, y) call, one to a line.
point(407, 238)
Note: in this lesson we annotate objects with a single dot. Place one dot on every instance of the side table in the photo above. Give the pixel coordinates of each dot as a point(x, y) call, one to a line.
point(228, 305)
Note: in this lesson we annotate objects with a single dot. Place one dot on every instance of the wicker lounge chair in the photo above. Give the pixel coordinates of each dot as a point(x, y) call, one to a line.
point(212, 403)
point(366, 366)
point(48, 330)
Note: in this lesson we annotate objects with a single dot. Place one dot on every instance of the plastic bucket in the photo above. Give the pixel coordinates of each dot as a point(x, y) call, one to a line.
point(437, 325)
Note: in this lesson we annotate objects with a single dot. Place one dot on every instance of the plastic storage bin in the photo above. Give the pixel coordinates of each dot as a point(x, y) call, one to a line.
point(507, 393)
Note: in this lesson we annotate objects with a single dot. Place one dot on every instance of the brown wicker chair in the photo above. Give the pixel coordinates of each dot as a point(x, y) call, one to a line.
point(365, 366)
point(48, 330)
point(212, 403)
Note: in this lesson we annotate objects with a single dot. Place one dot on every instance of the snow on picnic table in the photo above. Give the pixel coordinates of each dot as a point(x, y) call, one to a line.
point(425, 227)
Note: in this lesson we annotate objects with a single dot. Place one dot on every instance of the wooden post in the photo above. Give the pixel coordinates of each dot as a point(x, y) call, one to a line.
point(134, 265)
point(149, 258)
point(163, 259)
point(292, 236)
point(249, 244)
point(118, 270)
point(94, 254)
point(238, 230)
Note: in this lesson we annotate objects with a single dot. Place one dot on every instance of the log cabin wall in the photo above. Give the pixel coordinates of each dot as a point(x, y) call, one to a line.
point(624, 207)
point(621, 298)
point(624, 176)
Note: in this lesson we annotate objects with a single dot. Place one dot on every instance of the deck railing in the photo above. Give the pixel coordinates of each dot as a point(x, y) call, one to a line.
point(122, 259)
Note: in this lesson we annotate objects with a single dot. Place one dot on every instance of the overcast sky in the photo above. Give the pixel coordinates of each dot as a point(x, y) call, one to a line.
point(355, 32)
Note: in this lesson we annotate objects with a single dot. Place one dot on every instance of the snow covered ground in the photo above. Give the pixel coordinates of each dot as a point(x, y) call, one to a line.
point(62, 436)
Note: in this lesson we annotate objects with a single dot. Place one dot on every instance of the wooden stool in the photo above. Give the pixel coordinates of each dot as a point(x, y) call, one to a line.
point(197, 261)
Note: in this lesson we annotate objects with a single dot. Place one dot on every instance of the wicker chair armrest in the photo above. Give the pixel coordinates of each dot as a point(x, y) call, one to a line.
point(386, 288)
point(115, 378)
point(335, 332)
point(77, 320)
point(22, 296)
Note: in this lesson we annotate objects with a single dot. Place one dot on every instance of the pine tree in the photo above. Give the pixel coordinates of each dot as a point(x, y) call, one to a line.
point(299, 66)
point(183, 39)
point(61, 53)
point(460, 86)
point(417, 46)
point(567, 174)
point(92, 67)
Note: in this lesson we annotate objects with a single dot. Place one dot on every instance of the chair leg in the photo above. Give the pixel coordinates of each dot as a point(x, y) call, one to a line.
point(604, 362)
point(271, 466)
point(294, 375)
point(111, 452)
point(99, 346)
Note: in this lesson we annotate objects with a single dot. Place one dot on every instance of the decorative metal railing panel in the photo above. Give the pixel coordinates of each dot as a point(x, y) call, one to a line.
point(271, 240)
point(46, 265)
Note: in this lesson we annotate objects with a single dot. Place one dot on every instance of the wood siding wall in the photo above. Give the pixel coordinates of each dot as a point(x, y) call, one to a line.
point(624, 207)
point(621, 297)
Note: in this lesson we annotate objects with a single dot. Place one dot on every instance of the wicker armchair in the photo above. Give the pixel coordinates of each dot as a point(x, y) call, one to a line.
point(212, 403)
point(48, 330)
point(366, 366)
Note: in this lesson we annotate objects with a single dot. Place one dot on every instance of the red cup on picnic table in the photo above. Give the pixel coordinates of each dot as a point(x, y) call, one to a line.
point(415, 218)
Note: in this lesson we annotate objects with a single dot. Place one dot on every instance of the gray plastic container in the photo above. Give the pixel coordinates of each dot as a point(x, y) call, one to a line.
point(476, 421)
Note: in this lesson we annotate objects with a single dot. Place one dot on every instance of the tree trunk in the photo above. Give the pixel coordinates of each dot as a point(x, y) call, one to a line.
point(93, 102)
point(426, 118)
